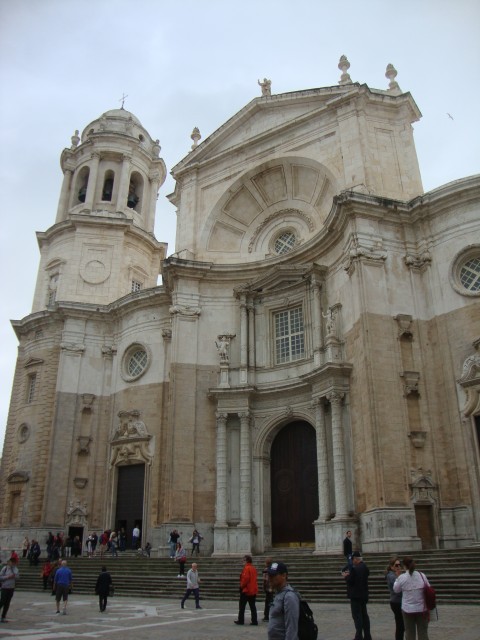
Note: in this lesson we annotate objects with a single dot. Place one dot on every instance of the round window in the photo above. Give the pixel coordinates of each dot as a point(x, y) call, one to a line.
point(136, 361)
point(284, 243)
point(465, 271)
point(23, 433)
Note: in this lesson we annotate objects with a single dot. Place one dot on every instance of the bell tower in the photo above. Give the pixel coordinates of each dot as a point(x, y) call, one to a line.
point(102, 246)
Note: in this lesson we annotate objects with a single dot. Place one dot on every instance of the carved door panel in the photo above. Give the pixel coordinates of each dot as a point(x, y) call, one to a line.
point(425, 528)
point(294, 485)
point(130, 487)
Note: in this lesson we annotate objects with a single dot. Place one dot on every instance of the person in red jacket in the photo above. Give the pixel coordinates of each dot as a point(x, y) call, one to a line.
point(248, 591)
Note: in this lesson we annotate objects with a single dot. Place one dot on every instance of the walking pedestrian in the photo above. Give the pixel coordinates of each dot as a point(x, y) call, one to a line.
point(267, 589)
point(62, 584)
point(248, 592)
point(284, 612)
point(193, 586)
point(181, 558)
point(9, 575)
point(102, 588)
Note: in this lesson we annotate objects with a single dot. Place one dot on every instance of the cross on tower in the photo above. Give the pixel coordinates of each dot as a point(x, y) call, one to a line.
point(122, 99)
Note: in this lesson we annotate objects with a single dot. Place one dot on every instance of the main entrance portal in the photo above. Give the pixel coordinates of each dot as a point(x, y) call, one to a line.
point(129, 511)
point(294, 485)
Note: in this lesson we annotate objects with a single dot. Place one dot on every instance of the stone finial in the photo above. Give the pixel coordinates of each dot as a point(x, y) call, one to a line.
point(391, 74)
point(75, 139)
point(195, 137)
point(344, 66)
point(266, 86)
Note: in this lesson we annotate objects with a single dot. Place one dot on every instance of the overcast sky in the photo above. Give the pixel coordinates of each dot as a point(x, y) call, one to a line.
point(193, 63)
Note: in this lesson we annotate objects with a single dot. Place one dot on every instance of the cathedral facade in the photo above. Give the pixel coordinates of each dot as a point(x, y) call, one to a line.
point(310, 363)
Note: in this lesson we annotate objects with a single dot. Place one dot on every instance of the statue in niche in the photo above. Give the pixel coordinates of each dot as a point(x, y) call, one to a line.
point(331, 321)
point(266, 86)
point(222, 348)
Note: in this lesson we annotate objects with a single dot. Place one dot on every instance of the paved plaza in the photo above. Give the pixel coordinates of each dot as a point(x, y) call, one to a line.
point(32, 617)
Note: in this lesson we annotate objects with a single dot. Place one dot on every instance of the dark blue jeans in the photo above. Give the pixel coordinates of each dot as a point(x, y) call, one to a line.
point(360, 619)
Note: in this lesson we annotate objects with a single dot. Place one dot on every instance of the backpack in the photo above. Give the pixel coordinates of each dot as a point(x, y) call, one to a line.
point(429, 595)
point(307, 629)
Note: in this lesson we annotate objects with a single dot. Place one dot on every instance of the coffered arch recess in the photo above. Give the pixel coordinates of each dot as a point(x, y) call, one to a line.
point(293, 194)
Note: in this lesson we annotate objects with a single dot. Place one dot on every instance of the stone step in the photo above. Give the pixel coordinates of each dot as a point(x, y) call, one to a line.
point(454, 574)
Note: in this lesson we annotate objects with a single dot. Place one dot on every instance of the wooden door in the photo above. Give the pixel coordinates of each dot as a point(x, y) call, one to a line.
point(294, 484)
point(130, 486)
point(425, 528)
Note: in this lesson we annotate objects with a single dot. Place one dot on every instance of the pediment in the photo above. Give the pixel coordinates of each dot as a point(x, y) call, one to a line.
point(33, 362)
point(263, 118)
point(277, 280)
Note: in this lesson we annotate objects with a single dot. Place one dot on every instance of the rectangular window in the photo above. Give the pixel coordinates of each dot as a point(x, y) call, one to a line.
point(32, 381)
point(289, 336)
point(136, 286)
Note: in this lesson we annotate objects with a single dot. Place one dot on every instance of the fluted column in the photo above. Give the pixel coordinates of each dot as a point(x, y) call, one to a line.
point(64, 193)
point(221, 508)
point(92, 181)
point(124, 183)
point(243, 340)
point(245, 470)
point(322, 462)
point(335, 398)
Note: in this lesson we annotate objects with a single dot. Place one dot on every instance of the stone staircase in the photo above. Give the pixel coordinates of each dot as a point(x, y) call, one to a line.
point(455, 574)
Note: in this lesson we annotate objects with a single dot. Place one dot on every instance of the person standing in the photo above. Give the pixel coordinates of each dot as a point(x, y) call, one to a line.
point(62, 583)
point(267, 589)
point(113, 544)
point(181, 558)
point(46, 571)
point(135, 537)
point(193, 586)
point(415, 616)
point(25, 547)
point(357, 590)
point(102, 588)
point(8, 578)
point(195, 540)
point(34, 553)
point(248, 592)
point(348, 548)
point(394, 569)
point(172, 542)
point(285, 610)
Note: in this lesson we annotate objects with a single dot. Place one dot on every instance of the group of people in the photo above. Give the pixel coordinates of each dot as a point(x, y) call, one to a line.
point(175, 538)
point(282, 602)
point(407, 596)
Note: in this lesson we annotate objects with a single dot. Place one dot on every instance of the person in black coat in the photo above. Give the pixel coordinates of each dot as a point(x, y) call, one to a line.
point(102, 588)
point(357, 590)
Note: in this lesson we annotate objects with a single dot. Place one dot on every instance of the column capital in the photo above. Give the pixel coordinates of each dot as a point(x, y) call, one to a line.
point(221, 417)
point(335, 397)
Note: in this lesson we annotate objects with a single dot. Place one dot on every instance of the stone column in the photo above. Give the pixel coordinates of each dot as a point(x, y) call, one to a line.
point(251, 338)
point(221, 498)
point(245, 471)
point(335, 398)
point(124, 183)
point(64, 193)
point(317, 322)
point(92, 181)
point(149, 211)
point(243, 340)
point(322, 462)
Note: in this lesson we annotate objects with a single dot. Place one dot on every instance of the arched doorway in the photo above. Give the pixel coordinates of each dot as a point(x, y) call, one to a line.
point(294, 484)
point(130, 491)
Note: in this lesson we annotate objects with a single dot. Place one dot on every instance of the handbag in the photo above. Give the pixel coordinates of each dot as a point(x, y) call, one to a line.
point(111, 591)
point(429, 594)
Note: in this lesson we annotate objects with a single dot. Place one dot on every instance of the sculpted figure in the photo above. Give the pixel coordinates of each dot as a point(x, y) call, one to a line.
point(266, 87)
